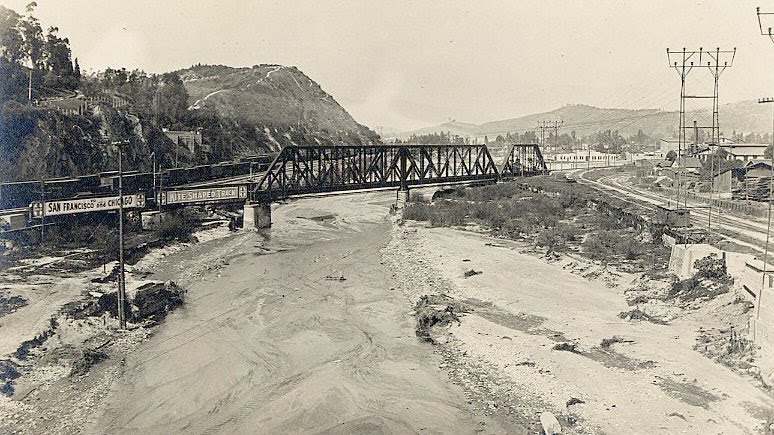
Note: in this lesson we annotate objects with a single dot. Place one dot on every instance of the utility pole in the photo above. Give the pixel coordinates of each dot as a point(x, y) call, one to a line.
point(121, 275)
point(715, 68)
point(768, 33)
point(683, 61)
point(548, 125)
point(42, 211)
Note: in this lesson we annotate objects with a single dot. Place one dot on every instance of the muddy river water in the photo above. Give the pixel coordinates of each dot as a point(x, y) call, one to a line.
point(301, 330)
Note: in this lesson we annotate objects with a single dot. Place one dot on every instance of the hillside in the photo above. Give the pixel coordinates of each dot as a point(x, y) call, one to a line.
point(744, 116)
point(36, 143)
point(273, 96)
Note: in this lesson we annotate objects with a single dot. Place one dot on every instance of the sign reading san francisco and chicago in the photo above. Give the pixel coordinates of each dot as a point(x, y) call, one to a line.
point(203, 195)
point(86, 205)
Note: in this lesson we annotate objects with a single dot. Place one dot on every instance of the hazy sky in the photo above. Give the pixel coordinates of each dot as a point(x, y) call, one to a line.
point(407, 64)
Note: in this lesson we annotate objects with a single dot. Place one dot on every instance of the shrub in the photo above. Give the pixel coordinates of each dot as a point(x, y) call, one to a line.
point(711, 267)
point(177, 226)
point(606, 244)
point(417, 212)
point(417, 197)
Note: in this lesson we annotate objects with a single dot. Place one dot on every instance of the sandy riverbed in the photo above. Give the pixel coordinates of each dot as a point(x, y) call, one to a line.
point(309, 327)
point(303, 332)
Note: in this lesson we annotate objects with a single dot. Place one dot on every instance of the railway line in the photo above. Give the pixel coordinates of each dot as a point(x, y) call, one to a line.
point(743, 230)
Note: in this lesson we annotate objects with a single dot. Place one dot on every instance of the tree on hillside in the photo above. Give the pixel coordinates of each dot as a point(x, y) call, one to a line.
point(11, 40)
point(33, 38)
point(172, 100)
point(58, 61)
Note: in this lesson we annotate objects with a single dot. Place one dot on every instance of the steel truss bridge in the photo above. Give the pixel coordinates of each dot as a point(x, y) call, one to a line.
point(300, 170)
point(297, 170)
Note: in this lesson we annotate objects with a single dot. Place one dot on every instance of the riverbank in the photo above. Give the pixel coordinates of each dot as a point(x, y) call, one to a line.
point(60, 355)
point(536, 335)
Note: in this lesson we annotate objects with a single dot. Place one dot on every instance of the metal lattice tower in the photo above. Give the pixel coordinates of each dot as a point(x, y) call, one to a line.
point(548, 126)
point(684, 61)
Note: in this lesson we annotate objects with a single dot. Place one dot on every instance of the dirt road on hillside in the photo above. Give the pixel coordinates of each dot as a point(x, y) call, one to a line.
point(303, 332)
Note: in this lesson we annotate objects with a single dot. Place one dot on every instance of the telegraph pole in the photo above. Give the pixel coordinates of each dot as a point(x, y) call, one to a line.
point(768, 33)
point(121, 276)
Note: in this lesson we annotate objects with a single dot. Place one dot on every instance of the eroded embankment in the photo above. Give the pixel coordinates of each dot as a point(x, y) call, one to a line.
point(55, 381)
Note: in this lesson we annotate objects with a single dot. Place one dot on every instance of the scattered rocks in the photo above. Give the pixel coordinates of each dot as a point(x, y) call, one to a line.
point(637, 314)
point(154, 300)
point(607, 342)
point(9, 304)
point(8, 372)
point(435, 310)
point(550, 424)
point(88, 358)
point(472, 272)
point(567, 347)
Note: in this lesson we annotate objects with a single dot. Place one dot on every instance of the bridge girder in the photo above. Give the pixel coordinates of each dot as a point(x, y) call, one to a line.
point(301, 170)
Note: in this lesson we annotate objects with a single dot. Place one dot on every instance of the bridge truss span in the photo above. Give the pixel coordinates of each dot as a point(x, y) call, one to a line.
point(523, 160)
point(299, 170)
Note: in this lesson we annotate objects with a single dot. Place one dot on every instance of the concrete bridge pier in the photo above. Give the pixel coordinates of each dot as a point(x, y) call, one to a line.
point(402, 197)
point(257, 215)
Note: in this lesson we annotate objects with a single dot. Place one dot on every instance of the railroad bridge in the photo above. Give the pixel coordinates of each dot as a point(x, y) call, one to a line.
point(295, 171)
point(302, 170)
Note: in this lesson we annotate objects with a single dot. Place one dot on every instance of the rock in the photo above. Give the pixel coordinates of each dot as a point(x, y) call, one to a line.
point(550, 424)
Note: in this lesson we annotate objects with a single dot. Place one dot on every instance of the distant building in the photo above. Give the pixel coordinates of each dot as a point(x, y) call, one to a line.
point(745, 151)
point(688, 164)
point(189, 139)
point(67, 106)
point(667, 145)
point(580, 159)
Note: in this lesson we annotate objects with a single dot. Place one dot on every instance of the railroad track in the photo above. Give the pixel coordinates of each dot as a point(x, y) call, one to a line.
point(742, 230)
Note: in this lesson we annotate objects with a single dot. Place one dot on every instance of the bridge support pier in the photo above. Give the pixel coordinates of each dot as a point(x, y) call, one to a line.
point(257, 215)
point(401, 198)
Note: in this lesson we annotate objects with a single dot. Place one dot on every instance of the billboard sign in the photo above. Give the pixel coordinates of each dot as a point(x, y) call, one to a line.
point(86, 205)
point(209, 194)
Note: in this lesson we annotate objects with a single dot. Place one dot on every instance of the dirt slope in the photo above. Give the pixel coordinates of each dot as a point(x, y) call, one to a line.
point(271, 96)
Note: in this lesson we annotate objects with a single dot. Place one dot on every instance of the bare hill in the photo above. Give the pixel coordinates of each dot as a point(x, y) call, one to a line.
point(273, 96)
point(743, 116)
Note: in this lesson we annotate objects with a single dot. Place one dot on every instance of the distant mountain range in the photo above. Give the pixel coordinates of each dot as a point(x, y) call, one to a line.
point(272, 96)
point(743, 116)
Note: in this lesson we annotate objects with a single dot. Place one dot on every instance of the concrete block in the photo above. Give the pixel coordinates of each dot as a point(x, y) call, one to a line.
point(152, 220)
point(684, 256)
point(752, 277)
point(762, 333)
point(257, 216)
point(13, 221)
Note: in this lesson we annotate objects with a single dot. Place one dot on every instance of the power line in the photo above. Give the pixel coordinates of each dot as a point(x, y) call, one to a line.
point(684, 61)
point(548, 126)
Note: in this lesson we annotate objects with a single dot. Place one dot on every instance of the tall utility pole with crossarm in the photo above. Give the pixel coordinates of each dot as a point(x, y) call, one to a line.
point(548, 126)
point(684, 61)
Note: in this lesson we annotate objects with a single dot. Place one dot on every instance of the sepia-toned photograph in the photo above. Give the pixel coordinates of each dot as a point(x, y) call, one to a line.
point(386, 217)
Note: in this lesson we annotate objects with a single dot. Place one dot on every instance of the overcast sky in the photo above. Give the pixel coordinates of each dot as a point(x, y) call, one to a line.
point(408, 64)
